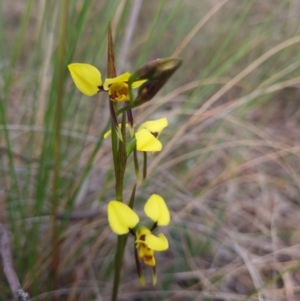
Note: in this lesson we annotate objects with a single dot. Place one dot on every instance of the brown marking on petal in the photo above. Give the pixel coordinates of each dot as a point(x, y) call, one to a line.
point(147, 259)
point(143, 237)
point(124, 90)
point(119, 93)
point(155, 134)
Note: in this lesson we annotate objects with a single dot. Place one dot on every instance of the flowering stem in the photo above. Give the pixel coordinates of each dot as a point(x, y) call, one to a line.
point(122, 160)
point(132, 197)
point(119, 159)
point(120, 171)
point(118, 265)
point(136, 164)
point(130, 122)
point(122, 240)
point(114, 140)
point(131, 147)
point(113, 107)
point(145, 166)
point(130, 82)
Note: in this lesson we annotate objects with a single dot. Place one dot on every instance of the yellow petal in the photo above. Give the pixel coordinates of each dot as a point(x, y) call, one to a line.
point(108, 133)
point(121, 217)
point(157, 210)
point(154, 126)
point(138, 83)
point(157, 243)
point(121, 78)
point(146, 255)
point(141, 232)
point(86, 77)
point(146, 142)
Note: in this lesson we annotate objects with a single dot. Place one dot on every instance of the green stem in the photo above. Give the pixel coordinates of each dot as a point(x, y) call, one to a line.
point(119, 159)
point(114, 140)
point(130, 82)
point(145, 166)
point(120, 168)
point(122, 161)
point(118, 265)
point(136, 164)
point(132, 197)
point(131, 147)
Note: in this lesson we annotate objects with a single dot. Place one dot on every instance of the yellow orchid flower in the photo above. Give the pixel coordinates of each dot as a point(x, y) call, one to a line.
point(147, 135)
point(118, 87)
point(87, 79)
point(122, 219)
point(146, 244)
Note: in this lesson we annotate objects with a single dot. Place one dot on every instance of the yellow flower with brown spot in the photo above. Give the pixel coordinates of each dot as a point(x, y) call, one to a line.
point(87, 79)
point(147, 135)
point(122, 220)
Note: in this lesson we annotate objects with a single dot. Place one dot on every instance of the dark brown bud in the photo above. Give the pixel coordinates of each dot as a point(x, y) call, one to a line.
point(157, 74)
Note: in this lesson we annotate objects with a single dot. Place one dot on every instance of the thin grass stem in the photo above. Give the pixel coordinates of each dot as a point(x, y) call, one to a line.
point(57, 141)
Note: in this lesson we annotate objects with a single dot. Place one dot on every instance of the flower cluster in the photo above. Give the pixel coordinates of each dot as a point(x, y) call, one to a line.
point(122, 220)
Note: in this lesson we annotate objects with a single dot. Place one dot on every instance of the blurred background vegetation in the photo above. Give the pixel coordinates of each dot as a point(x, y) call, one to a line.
point(229, 170)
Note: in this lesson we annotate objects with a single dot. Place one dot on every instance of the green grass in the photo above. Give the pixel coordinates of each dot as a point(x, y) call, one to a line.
point(229, 170)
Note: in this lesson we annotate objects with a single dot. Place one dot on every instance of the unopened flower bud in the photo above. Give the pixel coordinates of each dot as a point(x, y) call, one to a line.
point(157, 74)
